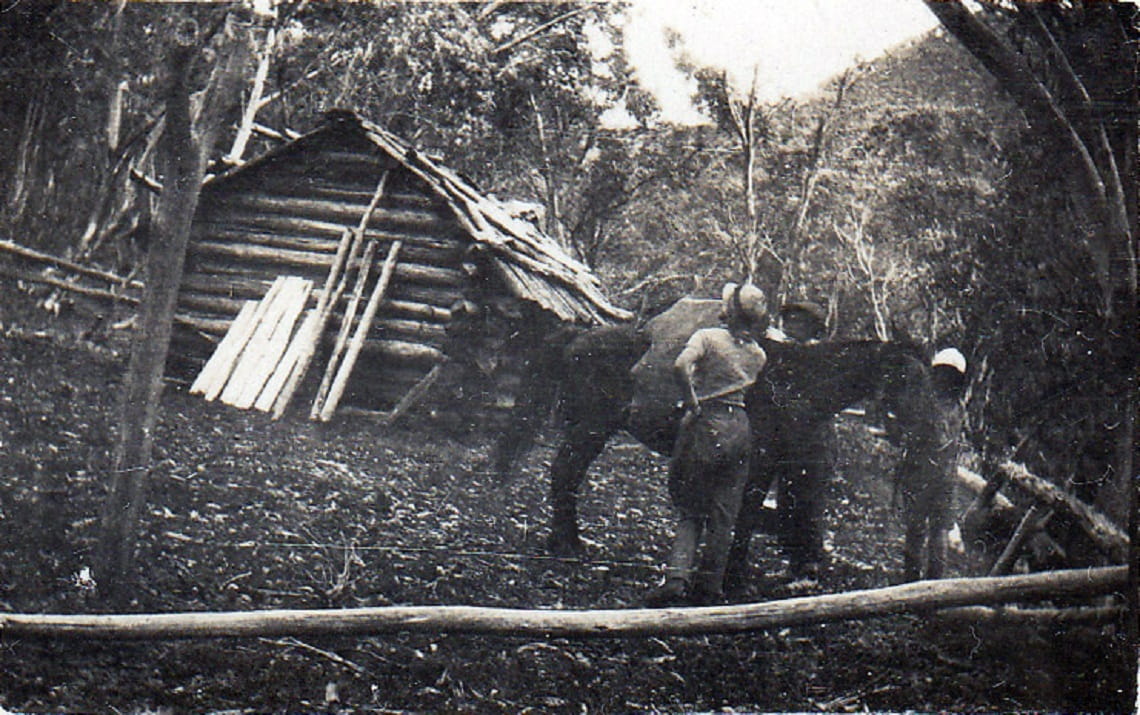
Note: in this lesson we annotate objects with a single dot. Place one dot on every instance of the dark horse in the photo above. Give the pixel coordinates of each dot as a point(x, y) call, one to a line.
point(612, 378)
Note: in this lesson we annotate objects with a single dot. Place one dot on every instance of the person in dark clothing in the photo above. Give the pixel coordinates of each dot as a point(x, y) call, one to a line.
point(803, 322)
point(709, 468)
point(801, 469)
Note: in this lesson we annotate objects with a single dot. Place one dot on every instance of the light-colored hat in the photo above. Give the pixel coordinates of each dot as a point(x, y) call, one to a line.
point(746, 298)
point(950, 357)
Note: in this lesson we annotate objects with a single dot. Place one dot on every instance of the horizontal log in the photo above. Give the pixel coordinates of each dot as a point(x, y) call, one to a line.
point(338, 191)
point(404, 351)
point(220, 305)
point(244, 206)
point(355, 176)
point(232, 290)
point(1084, 615)
point(409, 329)
point(1106, 535)
point(211, 326)
point(235, 286)
point(416, 310)
point(424, 248)
point(438, 296)
point(920, 597)
point(431, 219)
point(283, 256)
point(369, 157)
point(331, 230)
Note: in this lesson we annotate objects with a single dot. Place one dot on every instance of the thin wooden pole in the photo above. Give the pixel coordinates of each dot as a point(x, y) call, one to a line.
point(342, 335)
point(414, 395)
point(1024, 530)
point(346, 251)
point(349, 362)
point(362, 272)
point(918, 597)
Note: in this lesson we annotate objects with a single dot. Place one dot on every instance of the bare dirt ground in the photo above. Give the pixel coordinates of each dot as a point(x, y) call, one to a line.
point(246, 513)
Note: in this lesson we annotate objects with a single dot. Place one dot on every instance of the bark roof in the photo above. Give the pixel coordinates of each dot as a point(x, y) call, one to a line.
point(531, 264)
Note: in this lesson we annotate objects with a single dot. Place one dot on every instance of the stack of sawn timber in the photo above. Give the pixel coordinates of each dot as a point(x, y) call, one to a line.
point(260, 351)
point(287, 217)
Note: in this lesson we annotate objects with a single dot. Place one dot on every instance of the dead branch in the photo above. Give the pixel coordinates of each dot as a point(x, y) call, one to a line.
point(40, 257)
point(77, 288)
point(1106, 535)
point(339, 660)
point(917, 597)
point(536, 31)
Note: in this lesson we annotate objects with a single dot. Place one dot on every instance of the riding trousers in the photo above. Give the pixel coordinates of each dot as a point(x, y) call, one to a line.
point(707, 476)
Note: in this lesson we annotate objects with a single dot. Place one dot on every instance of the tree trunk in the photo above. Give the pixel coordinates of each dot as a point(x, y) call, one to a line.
point(182, 158)
point(254, 104)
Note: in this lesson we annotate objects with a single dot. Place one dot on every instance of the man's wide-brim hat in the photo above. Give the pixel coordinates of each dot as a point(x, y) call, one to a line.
point(950, 357)
point(746, 300)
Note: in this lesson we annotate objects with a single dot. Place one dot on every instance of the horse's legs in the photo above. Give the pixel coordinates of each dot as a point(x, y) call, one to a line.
point(580, 446)
point(803, 476)
point(912, 548)
point(538, 392)
point(519, 435)
point(936, 550)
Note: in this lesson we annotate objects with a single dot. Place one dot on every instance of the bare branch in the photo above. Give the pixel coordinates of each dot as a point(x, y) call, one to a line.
point(536, 31)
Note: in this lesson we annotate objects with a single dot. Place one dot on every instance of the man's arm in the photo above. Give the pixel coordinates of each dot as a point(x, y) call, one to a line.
point(684, 367)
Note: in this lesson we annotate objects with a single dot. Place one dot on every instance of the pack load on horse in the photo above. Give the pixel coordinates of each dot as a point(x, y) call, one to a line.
point(619, 378)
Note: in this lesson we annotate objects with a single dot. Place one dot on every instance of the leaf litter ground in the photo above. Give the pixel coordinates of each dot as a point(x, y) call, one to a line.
point(246, 513)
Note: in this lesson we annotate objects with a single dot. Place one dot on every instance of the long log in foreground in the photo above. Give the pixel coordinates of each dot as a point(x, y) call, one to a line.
point(921, 596)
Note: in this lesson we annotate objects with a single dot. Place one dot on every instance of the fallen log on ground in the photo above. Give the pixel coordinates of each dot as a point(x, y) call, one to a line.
point(1015, 615)
point(77, 288)
point(978, 484)
point(46, 258)
point(1106, 535)
point(917, 597)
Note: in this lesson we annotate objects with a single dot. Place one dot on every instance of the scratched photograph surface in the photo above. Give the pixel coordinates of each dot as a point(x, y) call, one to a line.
point(592, 357)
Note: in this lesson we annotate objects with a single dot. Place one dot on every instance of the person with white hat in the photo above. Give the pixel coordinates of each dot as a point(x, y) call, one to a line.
point(709, 468)
point(949, 369)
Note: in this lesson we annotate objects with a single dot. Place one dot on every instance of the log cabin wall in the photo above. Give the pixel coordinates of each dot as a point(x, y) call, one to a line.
point(286, 217)
point(285, 214)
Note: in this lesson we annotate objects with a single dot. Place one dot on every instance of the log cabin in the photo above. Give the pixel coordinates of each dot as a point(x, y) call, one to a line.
point(469, 283)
